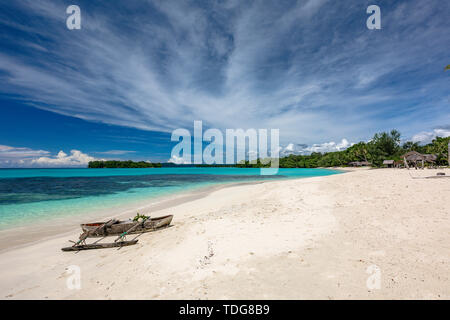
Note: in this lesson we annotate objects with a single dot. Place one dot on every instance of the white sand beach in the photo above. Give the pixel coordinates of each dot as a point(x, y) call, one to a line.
point(313, 238)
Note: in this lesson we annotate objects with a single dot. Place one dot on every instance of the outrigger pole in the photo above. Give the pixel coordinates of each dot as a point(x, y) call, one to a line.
point(129, 230)
point(81, 243)
point(85, 234)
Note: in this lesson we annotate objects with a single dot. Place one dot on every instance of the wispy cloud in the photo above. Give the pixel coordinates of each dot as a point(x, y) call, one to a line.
point(115, 152)
point(304, 149)
point(12, 153)
point(426, 137)
point(75, 159)
point(309, 68)
point(178, 160)
point(26, 157)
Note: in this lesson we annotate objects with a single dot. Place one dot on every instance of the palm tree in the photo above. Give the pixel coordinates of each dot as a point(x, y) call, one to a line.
point(447, 68)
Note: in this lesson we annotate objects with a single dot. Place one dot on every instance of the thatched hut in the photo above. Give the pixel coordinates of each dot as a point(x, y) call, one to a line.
point(414, 157)
point(430, 157)
point(388, 163)
point(359, 163)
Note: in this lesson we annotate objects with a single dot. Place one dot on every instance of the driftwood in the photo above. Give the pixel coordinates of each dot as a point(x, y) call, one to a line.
point(100, 245)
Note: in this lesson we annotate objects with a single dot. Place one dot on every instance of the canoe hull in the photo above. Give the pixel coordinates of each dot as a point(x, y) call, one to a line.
point(121, 226)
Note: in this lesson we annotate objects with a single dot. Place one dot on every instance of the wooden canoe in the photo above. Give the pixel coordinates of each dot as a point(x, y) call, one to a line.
point(100, 245)
point(118, 227)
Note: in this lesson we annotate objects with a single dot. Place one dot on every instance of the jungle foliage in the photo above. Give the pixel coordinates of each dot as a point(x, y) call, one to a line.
point(122, 164)
point(383, 146)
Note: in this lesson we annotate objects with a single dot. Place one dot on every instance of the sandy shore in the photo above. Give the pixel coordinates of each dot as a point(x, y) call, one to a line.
point(318, 238)
point(33, 231)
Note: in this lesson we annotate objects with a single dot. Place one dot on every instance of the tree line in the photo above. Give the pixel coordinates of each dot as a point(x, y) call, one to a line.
point(383, 146)
point(122, 164)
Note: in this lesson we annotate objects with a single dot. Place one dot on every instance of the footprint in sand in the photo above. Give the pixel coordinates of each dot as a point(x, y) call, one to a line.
point(206, 259)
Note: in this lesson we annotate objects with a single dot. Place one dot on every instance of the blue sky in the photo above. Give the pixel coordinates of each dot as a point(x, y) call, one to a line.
point(139, 69)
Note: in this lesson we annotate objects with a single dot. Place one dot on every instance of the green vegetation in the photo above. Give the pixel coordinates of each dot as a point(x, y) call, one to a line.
point(122, 164)
point(383, 146)
point(439, 147)
point(140, 216)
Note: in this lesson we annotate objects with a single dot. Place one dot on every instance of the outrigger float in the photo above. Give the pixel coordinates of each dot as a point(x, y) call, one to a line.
point(117, 227)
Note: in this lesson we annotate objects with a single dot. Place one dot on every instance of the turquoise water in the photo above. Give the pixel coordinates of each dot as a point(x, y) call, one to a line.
point(30, 194)
point(83, 172)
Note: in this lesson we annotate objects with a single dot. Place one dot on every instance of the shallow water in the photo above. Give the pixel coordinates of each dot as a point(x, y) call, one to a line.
point(30, 194)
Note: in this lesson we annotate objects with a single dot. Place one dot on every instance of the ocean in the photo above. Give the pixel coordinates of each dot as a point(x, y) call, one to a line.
point(41, 194)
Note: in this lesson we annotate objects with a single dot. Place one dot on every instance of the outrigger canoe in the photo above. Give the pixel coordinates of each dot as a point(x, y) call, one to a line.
point(100, 245)
point(117, 227)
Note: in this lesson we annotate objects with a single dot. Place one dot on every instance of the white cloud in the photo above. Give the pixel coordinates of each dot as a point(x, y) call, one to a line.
point(12, 153)
point(332, 146)
point(426, 137)
point(293, 148)
point(75, 159)
point(178, 160)
point(25, 157)
point(289, 148)
point(115, 152)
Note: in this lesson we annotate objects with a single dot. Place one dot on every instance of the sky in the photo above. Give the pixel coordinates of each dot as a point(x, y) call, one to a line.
point(137, 70)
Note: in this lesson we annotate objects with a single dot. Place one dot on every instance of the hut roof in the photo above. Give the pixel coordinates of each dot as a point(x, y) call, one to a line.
point(416, 156)
point(430, 157)
point(359, 163)
point(413, 156)
point(410, 153)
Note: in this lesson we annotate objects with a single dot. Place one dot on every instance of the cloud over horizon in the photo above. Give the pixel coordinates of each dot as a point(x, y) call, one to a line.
point(304, 149)
point(7, 152)
point(12, 157)
point(27, 157)
point(426, 137)
point(62, 159)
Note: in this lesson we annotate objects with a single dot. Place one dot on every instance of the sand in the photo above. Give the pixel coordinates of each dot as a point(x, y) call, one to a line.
point(364, 234)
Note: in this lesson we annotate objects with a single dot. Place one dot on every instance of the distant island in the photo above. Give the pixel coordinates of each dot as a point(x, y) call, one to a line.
point(122, 164)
